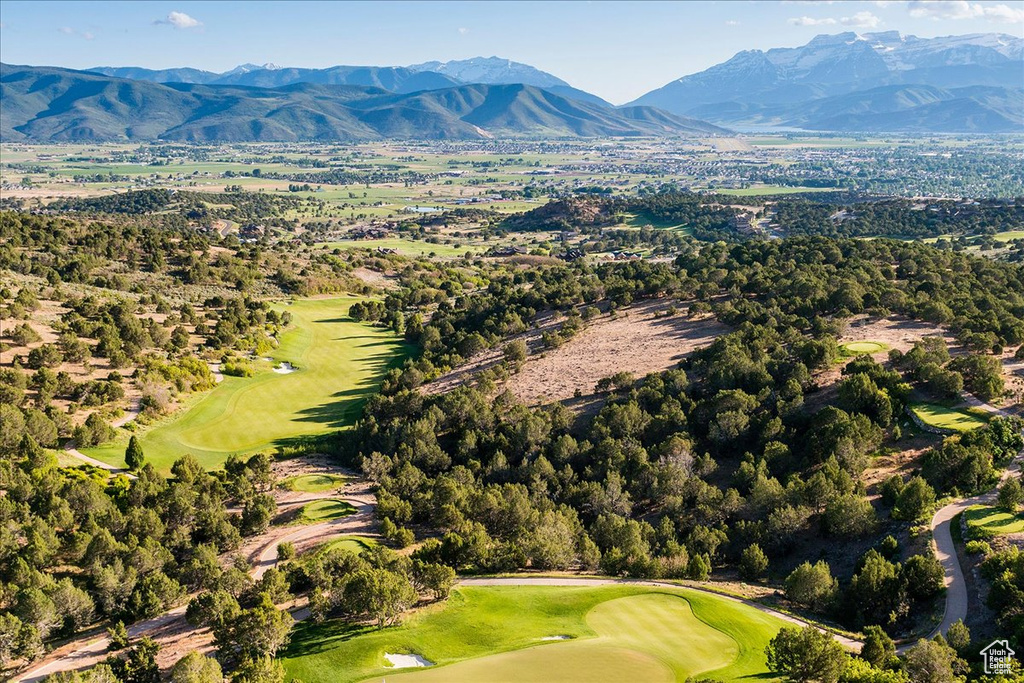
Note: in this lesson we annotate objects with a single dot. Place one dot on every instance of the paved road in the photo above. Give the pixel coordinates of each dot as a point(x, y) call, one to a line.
point(70, 449)
point(945, 550)
point(849, 643)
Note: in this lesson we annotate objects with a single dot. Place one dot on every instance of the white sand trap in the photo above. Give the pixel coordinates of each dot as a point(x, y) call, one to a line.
point(556, 638)
point(406, 661)
point(284, 368)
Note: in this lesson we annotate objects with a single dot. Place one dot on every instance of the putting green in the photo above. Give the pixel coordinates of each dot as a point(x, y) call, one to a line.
point(494, 634)
point(313, 483)
point(353, 544)
point(987, 521)
point(859, 348)
point(324, 510)
point(948, 418)
point(339, 363)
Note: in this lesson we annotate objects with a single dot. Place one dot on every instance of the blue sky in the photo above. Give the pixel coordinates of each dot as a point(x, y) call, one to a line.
point(618, 50)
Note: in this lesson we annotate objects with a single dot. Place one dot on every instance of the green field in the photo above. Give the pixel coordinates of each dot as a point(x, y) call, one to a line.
point(314, 483)
point(985, 521)
point(616, 633)
point(339, 363)
point(859, 348)
point(353, 544)
point(325, 510)
point(958, 419)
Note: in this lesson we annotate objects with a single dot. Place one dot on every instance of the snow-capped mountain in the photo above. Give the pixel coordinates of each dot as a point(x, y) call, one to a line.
point(248, 68)
point(491, 70)
point(755, 86)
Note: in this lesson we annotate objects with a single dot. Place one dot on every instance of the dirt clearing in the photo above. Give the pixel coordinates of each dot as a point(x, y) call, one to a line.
point(640, 339)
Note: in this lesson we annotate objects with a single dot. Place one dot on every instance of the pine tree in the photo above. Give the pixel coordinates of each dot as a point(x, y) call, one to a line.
point(133, 456)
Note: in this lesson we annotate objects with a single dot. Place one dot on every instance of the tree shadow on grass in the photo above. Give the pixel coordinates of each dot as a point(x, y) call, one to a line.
point(309, 638)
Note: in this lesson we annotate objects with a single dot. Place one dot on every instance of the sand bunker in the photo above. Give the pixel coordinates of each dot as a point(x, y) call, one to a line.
point(556, 638)
point(284, 368)
point(406, 661)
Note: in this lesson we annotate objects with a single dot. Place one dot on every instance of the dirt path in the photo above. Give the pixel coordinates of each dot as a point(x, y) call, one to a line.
point(848, 643)
point(171, 627)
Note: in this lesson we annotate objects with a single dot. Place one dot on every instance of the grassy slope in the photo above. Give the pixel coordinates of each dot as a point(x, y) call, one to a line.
point(340, 362)
point(948, 418)
point(618, 630)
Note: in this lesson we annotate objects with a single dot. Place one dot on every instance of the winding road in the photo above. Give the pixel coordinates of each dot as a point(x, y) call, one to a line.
point(945, 549)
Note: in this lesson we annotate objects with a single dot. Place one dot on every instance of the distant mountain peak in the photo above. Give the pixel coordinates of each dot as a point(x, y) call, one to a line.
point(493, 70)
point(249, 67)
point(783, 86)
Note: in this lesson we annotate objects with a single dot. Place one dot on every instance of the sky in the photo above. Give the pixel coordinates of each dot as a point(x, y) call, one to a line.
point(618, 50)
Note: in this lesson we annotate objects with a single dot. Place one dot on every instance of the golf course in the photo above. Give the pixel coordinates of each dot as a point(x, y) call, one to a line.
point(547, 633)
point(986, 521)
point(958, 419)
point(337, 362)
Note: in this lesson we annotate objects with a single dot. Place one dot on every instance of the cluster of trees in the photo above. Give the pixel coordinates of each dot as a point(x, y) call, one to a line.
point(678, 475)
point(880, 592)
point(898, 217)
point(808, 655)
point(137, 546)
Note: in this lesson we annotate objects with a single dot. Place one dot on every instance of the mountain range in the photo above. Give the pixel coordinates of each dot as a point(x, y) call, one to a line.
point(871, 82)
point(53, 104)
point(400, 79)
point(874, 82)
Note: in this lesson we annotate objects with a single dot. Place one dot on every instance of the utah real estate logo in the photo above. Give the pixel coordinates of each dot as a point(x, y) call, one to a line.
point(997, 657)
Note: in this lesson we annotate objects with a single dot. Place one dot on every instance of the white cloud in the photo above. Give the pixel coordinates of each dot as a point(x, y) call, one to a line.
point(732, 22)
point(811, 21)
point(179, 20)
point(962, 9)
point(1005, 14)
point(463, 31)
point(861, 20)
point(68, 31)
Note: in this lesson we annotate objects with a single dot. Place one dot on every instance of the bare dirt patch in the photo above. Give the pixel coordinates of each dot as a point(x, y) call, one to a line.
point(895, 332)
point(636, 341)
point(639, 339)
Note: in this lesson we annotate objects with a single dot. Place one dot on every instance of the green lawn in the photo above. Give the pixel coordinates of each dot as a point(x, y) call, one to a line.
point(353, 544)
point(314, 483)
point(985, 521)
point(959, 419)
point(493, 634)
point(859, 348)
point(325, 510)
point(339, 363)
